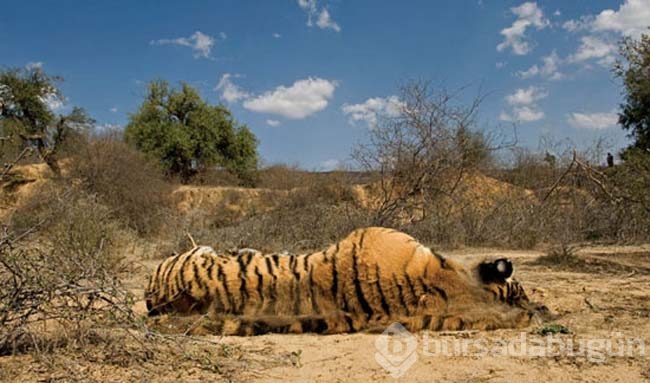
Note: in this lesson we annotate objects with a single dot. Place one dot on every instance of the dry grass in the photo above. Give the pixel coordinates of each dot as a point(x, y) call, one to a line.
point(66, 315)
point(125, 181)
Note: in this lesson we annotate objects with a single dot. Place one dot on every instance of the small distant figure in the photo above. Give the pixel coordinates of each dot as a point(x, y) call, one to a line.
point(610, 160)
point(550, 159)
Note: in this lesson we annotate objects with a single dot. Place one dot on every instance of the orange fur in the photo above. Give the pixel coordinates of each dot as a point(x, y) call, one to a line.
point(374, 276)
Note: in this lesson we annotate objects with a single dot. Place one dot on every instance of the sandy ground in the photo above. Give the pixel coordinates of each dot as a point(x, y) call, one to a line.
point(604, 295)
point(607, 295)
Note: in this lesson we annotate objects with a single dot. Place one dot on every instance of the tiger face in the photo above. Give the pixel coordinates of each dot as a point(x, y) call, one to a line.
point(497, 276)
point(371, 278)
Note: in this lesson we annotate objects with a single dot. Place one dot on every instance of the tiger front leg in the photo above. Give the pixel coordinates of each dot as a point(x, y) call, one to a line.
point(333, 323)
point(515, 318)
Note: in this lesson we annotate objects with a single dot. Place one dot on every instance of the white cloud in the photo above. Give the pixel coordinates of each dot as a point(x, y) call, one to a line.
point(323, 18)
point(113, 109)
point(325, 21)
point(277, 35)
point(548, 69)
point(53, 101)
point(108, 127)
point(527, 96)
point(307, 5)
point(200, 43)
point(34, 65)
point(372, 109)
point(593, 120)
point(523, 114)
point(273, 123)
point(592, 47)
point(583, 23)
point(303, 98)
point(524, 105)
point(500, 64)
point(632, 18)
point(229, 90)
point(528, 15)
point(331, 164)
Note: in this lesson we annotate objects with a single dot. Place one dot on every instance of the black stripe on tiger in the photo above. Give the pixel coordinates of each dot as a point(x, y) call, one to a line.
point(167, 273)
point(441, 259)
point(276, 260)
point(199, 282)
point(212, 275)
point(224, 283)
point(305, 261)
point(243, 265)
point(409, 283)
point(335, 279)
point(433, 289)
point(400, 295)
point(312, 294)
point(363, 235)
point(382, 297)
point(376, 275)
point(426, 321)
point(273, 290)
point(296, 284)
point(260, 287)
point(357, 284)
point(180, 277)
point(153, 288)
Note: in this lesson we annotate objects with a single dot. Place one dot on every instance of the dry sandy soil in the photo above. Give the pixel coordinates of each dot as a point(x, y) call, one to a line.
point(603, 292)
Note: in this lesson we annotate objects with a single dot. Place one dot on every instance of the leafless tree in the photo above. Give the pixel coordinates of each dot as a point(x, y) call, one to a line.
point(421, 148)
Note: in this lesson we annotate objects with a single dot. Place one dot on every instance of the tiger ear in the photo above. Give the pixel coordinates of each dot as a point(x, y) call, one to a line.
point(504, 267)
point(497, 271)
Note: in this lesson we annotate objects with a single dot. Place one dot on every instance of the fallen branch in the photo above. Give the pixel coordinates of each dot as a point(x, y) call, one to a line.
point(461, 333)
point(557, 182)
point(10, 165)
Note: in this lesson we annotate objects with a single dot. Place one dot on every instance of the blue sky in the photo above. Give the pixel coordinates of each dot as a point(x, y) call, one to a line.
point(309, 76)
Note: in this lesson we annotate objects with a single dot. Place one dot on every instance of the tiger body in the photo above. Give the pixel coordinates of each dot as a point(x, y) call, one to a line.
point(373, 277)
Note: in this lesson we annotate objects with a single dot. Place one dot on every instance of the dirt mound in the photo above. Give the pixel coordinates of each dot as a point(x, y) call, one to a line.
point(233, 201)
point(20, 185)
point(474, 190)
point(486, 193)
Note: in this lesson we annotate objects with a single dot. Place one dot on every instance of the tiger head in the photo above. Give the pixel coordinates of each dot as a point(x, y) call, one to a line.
point(497, 278)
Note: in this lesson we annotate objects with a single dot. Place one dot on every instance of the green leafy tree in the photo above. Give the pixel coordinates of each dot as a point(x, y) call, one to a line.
point(634, 70)
point(27, 118)
point(187, 135)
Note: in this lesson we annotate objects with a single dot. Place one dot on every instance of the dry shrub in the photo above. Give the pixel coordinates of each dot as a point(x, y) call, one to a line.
point(58, 266)
point(283, 177)
point(317, 210)
point(125, 181)
point(64, 314)
point(308, 217)
point(568, 257)
point(563, 255)
point(217, 177)
point(142, 356)
point(581, 202)
point(453, 222)
point(295, 230)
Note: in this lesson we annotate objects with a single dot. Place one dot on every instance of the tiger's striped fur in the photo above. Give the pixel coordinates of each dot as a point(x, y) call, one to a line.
point(373, 277)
